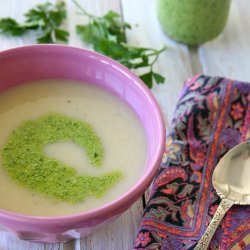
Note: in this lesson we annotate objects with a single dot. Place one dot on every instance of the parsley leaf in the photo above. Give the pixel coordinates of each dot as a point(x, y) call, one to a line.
point(44, 18)
point(106, 34)
point(9, 26)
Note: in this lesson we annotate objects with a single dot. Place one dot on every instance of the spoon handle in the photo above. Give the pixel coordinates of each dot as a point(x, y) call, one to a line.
point(203, 243)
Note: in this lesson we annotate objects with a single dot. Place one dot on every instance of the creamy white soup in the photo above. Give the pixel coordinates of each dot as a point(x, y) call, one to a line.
point(117, 127)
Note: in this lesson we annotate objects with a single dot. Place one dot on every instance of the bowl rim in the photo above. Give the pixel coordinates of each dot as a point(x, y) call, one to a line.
point(135, 191)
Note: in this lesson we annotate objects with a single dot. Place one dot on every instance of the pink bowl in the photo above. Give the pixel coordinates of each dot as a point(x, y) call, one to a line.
point(38, 62)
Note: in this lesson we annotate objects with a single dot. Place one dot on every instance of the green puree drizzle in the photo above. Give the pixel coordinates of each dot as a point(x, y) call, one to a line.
point(25, 161)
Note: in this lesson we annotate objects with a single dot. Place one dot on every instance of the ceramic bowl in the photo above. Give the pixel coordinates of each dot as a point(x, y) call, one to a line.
point(38, 62)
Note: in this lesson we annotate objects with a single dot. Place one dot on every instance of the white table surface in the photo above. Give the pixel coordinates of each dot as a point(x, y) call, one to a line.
point(228, 55)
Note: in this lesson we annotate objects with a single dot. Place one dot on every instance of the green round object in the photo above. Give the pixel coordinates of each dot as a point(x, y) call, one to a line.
point(193, 22)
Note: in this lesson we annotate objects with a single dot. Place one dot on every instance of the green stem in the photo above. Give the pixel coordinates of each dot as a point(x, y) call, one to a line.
point(156, 52)
point(84, 12)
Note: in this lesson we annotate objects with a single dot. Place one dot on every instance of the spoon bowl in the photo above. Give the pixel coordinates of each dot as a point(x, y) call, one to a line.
point(231, 182)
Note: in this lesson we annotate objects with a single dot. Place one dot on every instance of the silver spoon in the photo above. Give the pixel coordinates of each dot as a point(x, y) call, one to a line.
point(231, 180)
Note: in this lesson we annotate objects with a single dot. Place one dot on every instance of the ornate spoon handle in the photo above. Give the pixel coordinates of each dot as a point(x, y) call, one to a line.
point(203, 243)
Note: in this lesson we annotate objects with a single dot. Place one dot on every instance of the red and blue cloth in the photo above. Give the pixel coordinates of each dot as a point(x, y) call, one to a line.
point(212, 116)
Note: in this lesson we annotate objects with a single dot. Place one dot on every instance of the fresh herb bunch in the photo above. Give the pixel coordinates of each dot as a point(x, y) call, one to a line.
point(107, 35)
point(45, 18)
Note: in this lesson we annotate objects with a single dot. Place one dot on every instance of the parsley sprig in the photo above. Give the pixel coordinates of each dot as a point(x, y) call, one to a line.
point(107, 36)
point(44, 18)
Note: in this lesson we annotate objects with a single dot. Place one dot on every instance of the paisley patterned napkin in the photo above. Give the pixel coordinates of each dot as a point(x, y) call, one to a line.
point(212, 116)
